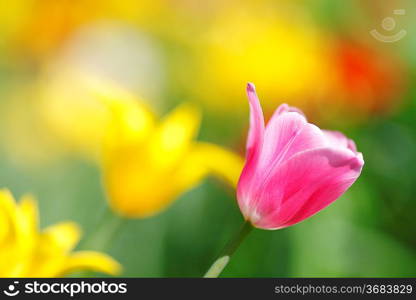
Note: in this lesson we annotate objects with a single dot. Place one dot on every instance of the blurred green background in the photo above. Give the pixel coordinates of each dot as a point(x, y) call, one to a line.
point(318, 55)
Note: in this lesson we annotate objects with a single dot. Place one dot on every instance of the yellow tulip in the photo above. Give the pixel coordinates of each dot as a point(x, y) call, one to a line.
point(136, 152)
point(25, 251)
point(148, 164)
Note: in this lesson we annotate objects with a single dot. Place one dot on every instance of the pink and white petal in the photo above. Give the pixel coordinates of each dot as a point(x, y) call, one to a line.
point(337, 139)
point(285, 135)
point(283, 108)
point(256, 131)
point(249, 177)
point(305, 184)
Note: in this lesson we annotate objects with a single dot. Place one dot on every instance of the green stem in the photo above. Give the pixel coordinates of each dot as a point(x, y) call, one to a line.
point(106, 230)
point(221, 262)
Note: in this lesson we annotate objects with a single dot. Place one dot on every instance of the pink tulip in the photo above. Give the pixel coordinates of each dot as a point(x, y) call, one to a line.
point(293, 169)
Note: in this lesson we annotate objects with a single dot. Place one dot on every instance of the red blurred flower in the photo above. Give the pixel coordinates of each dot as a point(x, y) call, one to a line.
point(369, 80)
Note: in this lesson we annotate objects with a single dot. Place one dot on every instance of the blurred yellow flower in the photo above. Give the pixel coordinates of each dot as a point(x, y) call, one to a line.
point(147, 164)
point(276, 46)
point(81, 116)
point(27, 252)
point(99, 120)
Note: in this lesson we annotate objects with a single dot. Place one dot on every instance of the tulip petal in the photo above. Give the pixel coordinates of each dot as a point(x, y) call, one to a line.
point(62, 237)
point(286, 108)
point(305, 184)
point(254, 145)
point(26, 223)
point(174, 135)
point(125, 107)
point(90, 260)
point(7, 203)
point(202, 160)
point(29, 213)
point(287, 134)
point(130, 123)
point(217, 161)
point(7, 214)
point(255, 134)
point(337, 139)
